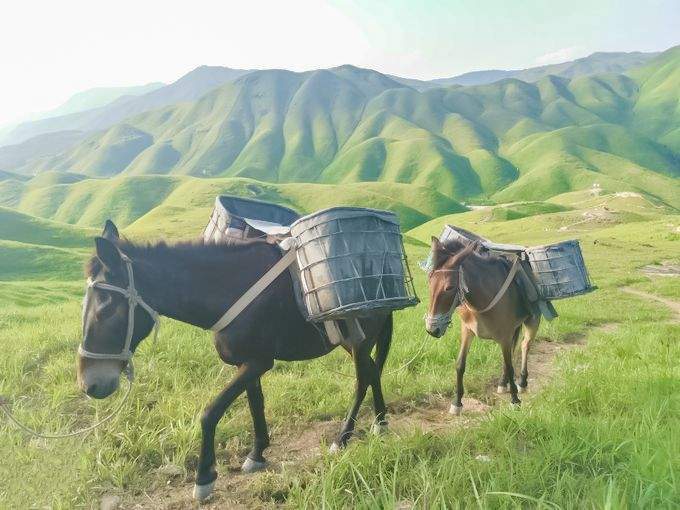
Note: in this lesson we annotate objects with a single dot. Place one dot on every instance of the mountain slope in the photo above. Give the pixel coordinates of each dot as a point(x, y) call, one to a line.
point(79, 102)
point(596, 63)
point(189, 87)
point(98, 97)
point(510, 140)
point(14, 157)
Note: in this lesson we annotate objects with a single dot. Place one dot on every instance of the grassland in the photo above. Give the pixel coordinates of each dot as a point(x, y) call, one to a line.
point(601, 433)
point(177, 204)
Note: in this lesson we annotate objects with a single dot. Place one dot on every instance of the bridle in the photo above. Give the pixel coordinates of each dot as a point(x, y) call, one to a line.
point(444, 319)
point(134, 300)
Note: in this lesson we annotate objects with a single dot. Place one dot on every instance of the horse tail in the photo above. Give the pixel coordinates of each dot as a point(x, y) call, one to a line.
point(383, 342)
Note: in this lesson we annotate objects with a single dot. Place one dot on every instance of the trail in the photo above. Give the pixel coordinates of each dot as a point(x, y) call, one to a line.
point(674, 306)
point(296, 447)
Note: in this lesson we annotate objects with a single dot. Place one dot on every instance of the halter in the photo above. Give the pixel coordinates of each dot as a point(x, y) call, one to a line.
point(444, 319)
point(134, 299)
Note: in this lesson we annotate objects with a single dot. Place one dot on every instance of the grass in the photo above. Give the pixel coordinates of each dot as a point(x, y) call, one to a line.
point(179, 203)
point(602, 434)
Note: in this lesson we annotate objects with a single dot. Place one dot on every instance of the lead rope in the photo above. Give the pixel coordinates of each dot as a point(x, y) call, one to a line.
point(133, 300)
point(391, 372)
point(4, 405)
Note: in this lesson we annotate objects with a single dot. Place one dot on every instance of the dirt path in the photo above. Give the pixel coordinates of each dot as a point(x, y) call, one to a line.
point(674, 306)
point(296, 448)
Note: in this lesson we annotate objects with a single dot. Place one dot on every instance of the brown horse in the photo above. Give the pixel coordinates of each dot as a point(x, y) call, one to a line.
point(130, 285)
point(469, 278)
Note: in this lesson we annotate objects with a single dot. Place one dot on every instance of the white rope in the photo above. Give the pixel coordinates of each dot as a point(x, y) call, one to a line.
point(4, 405)
point(391, 372)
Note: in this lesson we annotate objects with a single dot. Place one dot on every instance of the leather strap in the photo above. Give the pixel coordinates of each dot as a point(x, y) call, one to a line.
point(501, 292)
point(254, 291)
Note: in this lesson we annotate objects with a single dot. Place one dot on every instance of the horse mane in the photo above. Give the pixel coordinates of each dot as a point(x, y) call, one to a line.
point(160, 251)
point(454, 247)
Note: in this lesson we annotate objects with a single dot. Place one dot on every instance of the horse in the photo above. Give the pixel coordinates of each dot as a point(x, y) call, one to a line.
point(130, 285)
point(482, 287)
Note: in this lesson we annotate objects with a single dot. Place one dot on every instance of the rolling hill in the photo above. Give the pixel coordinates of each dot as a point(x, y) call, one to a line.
point(189, 87)
point(506, 141)
point(79, 102)
point(181, 205)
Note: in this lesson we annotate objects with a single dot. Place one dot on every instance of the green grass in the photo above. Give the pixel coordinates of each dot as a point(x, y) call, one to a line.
point(505, 141)
point(177, 204)
point(602, 434)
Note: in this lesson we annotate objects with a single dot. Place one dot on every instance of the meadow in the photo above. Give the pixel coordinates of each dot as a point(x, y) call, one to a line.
point(598, 428)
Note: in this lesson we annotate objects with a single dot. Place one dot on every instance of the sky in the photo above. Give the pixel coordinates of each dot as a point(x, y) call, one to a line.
point(50, 49)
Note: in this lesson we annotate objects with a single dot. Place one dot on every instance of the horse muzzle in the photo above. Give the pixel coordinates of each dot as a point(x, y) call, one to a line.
point(436, 325)
point(98, 378)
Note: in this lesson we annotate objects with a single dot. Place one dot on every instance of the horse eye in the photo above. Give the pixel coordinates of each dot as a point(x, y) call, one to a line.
point(448, 288)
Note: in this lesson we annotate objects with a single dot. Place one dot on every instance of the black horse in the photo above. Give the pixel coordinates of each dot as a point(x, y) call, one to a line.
point(196, 283)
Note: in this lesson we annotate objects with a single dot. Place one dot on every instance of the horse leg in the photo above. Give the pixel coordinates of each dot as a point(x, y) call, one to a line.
point(362, 366)
point(507, 359)
point(504, 383)
point(255, 461)
point(466, 336)
point(530, 330)
point(207, 473)
point(380, 423)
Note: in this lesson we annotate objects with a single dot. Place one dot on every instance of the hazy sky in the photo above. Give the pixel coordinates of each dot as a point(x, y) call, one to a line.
point(52, 49)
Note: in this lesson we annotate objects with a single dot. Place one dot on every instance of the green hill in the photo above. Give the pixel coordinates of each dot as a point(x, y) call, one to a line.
point(507, 141)
point(180, 205)
point(23, 228)
point(93, 114)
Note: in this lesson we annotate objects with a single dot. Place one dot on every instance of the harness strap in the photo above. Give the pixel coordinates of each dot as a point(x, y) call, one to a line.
point(134, 299)
point(254, 291)
point(506, 284)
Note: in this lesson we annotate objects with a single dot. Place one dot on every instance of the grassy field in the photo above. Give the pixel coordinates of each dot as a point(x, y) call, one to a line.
point(601, 432)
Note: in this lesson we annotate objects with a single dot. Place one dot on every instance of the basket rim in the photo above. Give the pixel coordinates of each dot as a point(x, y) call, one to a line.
point(219, 205)
point(382, 214)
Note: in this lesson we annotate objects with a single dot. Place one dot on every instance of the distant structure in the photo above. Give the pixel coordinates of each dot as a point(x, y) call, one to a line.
point(595, 189)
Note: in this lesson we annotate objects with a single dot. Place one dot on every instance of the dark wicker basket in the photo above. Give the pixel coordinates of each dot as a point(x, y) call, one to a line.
point(352, 262)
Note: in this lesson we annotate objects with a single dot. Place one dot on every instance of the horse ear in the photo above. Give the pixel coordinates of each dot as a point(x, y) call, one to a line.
point(108, 253)
point(436, 244)
point(110, 231)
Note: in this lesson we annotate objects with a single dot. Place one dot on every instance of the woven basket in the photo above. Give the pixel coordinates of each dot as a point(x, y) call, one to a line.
point(242, 218)
point(559, 269)
point(352, 262)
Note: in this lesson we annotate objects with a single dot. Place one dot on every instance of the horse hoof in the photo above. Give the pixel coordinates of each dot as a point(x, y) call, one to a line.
point(378, 429)
point(334, 448)
point(503, 389)
point(203, 492)
point(455, 410)
point(251, 466)
point(522, 389)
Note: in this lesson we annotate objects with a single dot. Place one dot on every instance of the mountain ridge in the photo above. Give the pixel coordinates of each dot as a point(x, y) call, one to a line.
point(504, 141)
point(190, 86)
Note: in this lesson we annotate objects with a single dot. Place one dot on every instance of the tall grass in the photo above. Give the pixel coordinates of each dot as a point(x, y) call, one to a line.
point(602, 434)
